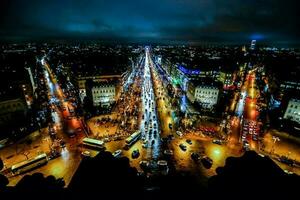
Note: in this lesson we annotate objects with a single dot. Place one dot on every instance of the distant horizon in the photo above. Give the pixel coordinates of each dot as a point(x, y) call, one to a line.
point(143, 42)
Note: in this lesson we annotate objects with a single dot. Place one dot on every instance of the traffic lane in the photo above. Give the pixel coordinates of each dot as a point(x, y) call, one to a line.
point(74, 125)
point(155, 148)
point(234, 102)
point(218, 153)
point(134, 162)
point(251, 112)
point(163, 109)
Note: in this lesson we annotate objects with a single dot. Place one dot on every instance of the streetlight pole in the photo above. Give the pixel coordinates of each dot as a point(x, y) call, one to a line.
point(275, 139)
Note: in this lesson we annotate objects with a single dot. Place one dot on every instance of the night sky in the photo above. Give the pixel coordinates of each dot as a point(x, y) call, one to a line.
point(151, 20)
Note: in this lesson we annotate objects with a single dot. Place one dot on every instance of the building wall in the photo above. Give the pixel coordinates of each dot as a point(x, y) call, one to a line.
point(290, 85)
point(206, 95)
point(293, 110)
point(10, 107)
point(103, 95)
point(226, 78)
point(191, 92)
point(81, 81)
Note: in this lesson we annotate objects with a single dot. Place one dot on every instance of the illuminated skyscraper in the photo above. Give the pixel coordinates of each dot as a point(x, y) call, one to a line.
point(244, 49)
point(252, 46)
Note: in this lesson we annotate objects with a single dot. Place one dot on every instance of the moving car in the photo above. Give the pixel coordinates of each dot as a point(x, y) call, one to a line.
point(117, 153)
point(179, 133)
point(170, 136)
point(254, 137)
point(168, 152)
point(145, 144)
point(206, 162)
point(286, 160)
point(78, 130)
point(62, 144)
point(135, 153)
point(152, 142)
point(163, 166)
point(189, 141)
point(182, 147)
point(219, 142)
point(195, 156)
point(86, 153)
point(144, 164)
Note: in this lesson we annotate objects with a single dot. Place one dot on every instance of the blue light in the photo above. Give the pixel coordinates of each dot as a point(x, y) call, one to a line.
point(188, 71)
point(257, 36)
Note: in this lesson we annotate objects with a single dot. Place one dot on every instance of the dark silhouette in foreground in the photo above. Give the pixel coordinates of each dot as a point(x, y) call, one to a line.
point(252, 176)
point(107, 177)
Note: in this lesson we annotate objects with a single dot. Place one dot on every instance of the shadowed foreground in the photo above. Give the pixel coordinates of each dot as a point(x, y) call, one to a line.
point(107, 177)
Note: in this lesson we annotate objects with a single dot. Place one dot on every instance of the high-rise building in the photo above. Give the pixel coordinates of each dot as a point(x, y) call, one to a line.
point(244, 49)
point(253, 43)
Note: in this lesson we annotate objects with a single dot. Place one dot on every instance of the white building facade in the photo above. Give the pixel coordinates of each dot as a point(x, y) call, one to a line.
point(207, 96)
point(293, 110)
point(103, 94)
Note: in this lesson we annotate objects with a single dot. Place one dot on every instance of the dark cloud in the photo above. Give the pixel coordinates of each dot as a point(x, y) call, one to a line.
point(152, 20)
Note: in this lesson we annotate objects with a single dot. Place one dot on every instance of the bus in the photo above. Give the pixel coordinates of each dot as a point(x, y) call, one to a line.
point(93, 143)
point(132, 138)
point(29, 164)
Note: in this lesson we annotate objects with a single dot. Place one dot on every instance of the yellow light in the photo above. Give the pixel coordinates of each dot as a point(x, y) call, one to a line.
point(216, 152)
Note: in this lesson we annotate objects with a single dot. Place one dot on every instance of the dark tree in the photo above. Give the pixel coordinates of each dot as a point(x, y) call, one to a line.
point(3, 180)
point(1, 164)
